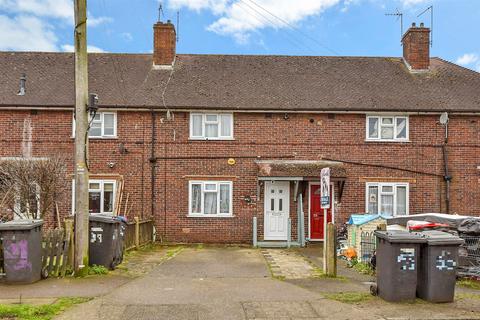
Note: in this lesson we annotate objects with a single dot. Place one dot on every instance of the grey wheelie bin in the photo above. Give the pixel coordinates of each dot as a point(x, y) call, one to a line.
point(106, 241)
point(397, 264)
point(22, 250)
point(437, 266)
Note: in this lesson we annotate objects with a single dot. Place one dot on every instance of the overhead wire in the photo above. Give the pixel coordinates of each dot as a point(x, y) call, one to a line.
point(288, 24)
point(292, 39)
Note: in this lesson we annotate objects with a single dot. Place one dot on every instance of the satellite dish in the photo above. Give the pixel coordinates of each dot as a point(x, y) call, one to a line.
point(444, 118)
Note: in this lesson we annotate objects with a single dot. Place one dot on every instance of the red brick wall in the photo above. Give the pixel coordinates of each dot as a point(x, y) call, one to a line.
point(302, 136)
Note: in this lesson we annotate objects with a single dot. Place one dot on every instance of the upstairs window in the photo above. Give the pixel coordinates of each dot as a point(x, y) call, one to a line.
point(389, 199)
point(210, 198)
point(211, 126)
point(103, 125)
point(387, 128)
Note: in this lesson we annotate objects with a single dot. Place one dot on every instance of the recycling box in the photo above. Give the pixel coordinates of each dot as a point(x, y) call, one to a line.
point(437, 266)
point(397, 264)
point(106, 241)
point(22, 250)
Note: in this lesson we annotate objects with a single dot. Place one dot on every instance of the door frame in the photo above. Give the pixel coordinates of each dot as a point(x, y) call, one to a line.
point(265, 203)
point(332, 201)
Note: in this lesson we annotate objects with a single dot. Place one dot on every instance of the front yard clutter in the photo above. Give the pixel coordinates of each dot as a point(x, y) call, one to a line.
point(22, 250)
point(107, 235)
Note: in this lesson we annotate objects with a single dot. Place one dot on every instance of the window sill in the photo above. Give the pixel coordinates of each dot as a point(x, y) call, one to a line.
point(387, 141)
point(101, 138)
point(211, 139)
point(210, 216)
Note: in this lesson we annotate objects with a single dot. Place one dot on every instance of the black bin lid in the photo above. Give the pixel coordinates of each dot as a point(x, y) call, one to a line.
point(105, 218)
point(439, 238)
point(400, 236)
point(22, 224)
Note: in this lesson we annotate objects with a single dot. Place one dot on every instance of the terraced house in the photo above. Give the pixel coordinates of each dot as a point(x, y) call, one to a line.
point(206, 143)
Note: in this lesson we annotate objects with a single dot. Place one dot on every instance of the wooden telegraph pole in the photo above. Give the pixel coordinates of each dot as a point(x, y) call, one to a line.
point(81, 139)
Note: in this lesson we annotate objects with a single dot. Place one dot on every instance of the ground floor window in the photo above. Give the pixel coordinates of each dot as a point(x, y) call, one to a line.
point(210, 198)
point(101, 196)
point(387, 198)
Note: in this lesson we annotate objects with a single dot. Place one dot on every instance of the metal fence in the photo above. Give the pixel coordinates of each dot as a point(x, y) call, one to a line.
point(368, 243)
point(469, 256)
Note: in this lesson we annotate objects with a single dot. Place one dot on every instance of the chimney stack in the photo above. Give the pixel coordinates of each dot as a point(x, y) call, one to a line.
point(164, 41)
point(416, 48)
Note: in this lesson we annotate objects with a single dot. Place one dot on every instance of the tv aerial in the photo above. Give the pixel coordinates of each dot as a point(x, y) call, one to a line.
point(399, 16)
point(431, 22)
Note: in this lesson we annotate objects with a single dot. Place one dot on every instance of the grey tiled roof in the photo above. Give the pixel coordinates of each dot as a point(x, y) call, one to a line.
point(242, 82)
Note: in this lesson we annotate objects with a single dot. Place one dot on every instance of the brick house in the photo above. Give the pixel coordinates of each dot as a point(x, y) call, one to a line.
point(205, 143)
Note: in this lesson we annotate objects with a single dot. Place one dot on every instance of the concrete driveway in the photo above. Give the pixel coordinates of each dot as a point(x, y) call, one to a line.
point(213, 283)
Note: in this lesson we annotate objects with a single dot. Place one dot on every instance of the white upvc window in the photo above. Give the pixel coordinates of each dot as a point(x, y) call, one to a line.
point(103, 125)
point(101, 196)
point(387, 128)
point(210, 198)
point(211, 126)
point(391, 199)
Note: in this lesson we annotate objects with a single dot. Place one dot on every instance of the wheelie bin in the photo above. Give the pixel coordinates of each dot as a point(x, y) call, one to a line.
point(437, 266)
point(106, 241)
point(397, 264)
point(22, 250)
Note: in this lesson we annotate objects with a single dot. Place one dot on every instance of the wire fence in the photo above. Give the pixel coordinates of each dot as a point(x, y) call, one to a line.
point(469, 256)
point(368, 243)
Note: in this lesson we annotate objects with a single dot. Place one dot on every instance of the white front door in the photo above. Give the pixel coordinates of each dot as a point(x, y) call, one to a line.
point(277, 209)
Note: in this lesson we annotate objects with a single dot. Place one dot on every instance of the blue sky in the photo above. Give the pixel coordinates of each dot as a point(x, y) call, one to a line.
point(287, 27)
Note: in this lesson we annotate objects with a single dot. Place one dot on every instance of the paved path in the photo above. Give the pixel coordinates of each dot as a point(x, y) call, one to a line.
point(288, 264)
point(213, 283)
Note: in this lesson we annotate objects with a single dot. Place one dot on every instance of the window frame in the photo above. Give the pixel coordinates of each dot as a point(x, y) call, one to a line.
point(203, 191)
point(380, 186)
point(102, 183)
point(394, 125)
point(102, 126)
point(218, 122)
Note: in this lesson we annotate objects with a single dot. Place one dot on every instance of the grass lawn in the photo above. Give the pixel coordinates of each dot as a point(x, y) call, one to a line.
point(38, 312)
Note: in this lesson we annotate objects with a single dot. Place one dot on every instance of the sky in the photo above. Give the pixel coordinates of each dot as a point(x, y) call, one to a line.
point(265, 27)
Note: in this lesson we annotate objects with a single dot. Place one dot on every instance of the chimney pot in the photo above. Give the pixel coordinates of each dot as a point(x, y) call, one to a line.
point(164, 42)
point(416, 48)
point(414, 24)
point(422, 24)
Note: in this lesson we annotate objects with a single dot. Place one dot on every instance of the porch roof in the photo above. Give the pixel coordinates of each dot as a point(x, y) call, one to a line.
point(299, 168)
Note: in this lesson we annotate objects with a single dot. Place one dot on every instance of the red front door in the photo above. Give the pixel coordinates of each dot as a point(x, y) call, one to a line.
point(316, 213)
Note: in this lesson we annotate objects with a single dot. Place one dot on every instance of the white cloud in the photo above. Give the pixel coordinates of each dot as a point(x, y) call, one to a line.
point(239, 18)
point(43, 8)
point(26, 33)
point(127, 36)
point(31, 24)
point(92, 49)
point(468, 59)
point(408, 3)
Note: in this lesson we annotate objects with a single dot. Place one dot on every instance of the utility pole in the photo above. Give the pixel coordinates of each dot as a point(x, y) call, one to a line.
point(81, 139)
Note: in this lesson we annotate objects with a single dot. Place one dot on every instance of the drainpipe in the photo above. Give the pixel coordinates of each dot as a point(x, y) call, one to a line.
point(153, 162)
point(447, 176)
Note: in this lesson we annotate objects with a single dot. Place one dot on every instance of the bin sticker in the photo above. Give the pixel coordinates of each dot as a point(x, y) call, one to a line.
point(95, 237)
point(406, 259)
point(96, 229)
point(444, 263)
point(16, 255)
